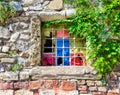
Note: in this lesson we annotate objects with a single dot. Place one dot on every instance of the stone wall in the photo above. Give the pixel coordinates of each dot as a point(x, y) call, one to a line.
point(20, 57)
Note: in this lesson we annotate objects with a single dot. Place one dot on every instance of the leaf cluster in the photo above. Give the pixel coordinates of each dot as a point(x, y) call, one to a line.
point(6, 11)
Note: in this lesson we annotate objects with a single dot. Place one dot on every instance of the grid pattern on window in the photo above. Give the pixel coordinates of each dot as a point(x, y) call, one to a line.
point(60, 48)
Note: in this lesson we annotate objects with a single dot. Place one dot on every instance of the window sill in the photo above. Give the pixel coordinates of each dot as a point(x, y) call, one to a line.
point(63, 72)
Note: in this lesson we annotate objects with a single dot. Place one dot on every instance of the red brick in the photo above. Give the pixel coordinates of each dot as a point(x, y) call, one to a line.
point(34, 85)
point(5, 86)
point(52, 84)
point(82, 88)
point(36, 93)
point(114, 90)
point(20, 85)
point(68, 85)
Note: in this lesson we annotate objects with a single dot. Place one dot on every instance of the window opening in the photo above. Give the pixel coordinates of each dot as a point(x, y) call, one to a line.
point(62, 49)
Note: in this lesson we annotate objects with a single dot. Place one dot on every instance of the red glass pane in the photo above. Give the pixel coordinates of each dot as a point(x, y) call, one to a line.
point(76, 59)
point(48, 59)
point(62, 33)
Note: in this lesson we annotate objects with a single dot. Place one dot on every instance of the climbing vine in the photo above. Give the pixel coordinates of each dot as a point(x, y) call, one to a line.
point(6, 11)
point(99, 22)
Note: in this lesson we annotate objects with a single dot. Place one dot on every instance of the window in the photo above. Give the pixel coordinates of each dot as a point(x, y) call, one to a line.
point(59, 48)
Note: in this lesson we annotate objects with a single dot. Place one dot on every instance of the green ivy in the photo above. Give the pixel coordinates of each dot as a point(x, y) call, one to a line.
point(99, 23)
point(6, 11)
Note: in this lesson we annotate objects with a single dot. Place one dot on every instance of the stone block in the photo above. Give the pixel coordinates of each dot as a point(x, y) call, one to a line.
point(5, 49)
point(90, 83)
point(83, 92)
point(21, 85)
point(2, 55)
point(6, 86)
point(6, 92)
point(24, 75)
point(82, 88)
point(34, 85)
point(52, 84)
point(23, 92)
point(70, 12)
point(46, 92)
point(93, 88)
point(56, 5)
point(68, 85)
point(24, 37)
point(4, 33)
point(27, 3)
point(14, 37)
point(17, 6)
point(8, 60)
point(9, 76)
point(81, 82)
point(74, 92)
point(102, 89)
point(98, 83)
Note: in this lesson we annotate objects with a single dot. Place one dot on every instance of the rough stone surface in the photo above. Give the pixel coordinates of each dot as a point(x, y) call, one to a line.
point(70, 12)
point(17, 6)
point(74, 92)
point(35, 55)
point(23, 92)
point(8, 60)
point(47, 92)
point(56, 5)
point(27, 3)
point(14, 37)
point(24, 37)
point(24, 75)
point(6, 92)
point(3, 55)
point(5, 49)
point(4, 33)
point(8, 76)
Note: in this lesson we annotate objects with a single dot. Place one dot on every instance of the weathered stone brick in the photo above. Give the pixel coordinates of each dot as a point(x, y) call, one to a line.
point(98, 83)
point(5, 49)
point(8, 60)
point(82, 88)
point(46, 92)
point(34, 85)
point(83, 92)
point(20, 85)
point(93, 88)
point(96, 93)
point(2, 55)
point(23, 92)
point(52, 84)
point(24, 75)
point(102, 89)
point(6, 92)
point(56, 5)
point(81, 82)
point(68, 85)
point(5, 86)
point(112, 94)
point(114, 90)
point(90, 83)
point(74, 92)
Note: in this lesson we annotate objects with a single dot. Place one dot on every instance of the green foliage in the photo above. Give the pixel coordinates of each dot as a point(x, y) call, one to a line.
point(6, 11)
point(98, 22)
point(16, 67)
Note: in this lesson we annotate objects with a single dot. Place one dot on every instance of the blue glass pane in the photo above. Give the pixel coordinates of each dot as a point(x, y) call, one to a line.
point(59, 52)
point(66, 52)
point(66, 43)
point(59, 42)
point(66, 61)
